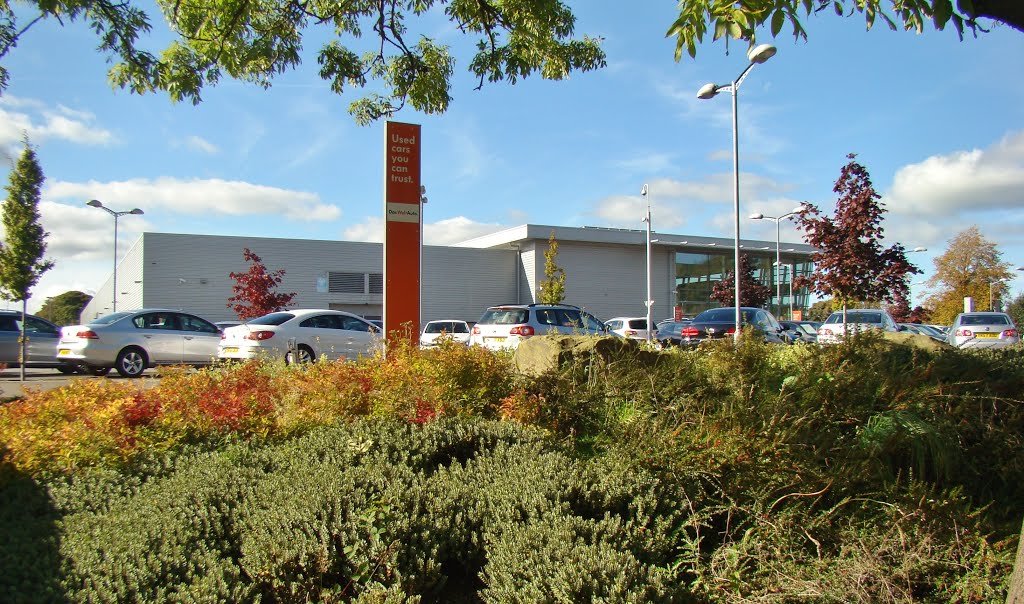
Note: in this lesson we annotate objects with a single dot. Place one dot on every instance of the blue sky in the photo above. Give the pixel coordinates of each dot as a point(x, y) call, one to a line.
point(939, 123)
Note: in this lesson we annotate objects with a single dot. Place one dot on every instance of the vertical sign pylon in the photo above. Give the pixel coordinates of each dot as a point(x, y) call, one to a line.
point(402, 242)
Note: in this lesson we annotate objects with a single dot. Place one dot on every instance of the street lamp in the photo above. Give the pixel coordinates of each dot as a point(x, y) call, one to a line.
point(991, 300)
point(98, 204)
point(758, 54)
point(648, 302)
point(778, 251)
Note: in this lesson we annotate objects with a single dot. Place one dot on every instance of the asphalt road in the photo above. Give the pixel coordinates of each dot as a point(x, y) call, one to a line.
point(46, 379)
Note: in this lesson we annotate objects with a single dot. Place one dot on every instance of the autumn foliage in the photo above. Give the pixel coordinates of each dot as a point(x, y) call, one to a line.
point(254, 290)
point(752, 292)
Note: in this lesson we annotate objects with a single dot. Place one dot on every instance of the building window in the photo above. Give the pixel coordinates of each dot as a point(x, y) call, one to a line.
point(376, 283)
point(355, 283)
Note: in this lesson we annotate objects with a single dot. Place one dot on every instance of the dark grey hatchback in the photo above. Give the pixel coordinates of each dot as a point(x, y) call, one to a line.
point(718, 323)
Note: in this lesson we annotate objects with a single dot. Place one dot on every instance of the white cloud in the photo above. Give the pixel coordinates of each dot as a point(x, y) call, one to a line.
point(652, 163)
point(198, 143)
point(200, 196)
point(442, 232)
point(454, 230)
point(371, 229)
point(41, 123)
point(979, 179)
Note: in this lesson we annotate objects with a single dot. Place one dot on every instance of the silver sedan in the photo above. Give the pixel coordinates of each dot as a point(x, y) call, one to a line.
point(134, 341)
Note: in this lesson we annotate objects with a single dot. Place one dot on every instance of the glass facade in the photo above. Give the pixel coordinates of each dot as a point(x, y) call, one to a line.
point(698, 272)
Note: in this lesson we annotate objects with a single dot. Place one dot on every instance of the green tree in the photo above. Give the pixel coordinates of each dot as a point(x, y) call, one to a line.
point(740, 20)
point(972, 267)
point(1016, 310)
point(752, 292)
point(257, 41)
point(64, 309)
point(850, 263)
point(552, 288)
point(21, 257)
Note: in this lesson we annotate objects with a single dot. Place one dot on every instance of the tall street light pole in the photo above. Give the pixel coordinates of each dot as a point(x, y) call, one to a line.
point(98, 204)
point(778, 251)
point(645, 193)
point(758, 54)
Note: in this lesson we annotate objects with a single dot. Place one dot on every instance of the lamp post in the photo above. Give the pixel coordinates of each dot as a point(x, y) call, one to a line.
point(758, 54)
point(778, 252)
point(648, 302)
point(136, 211)
point(991, 300)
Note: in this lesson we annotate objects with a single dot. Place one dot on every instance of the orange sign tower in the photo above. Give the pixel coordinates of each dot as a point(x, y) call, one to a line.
point(403, 224)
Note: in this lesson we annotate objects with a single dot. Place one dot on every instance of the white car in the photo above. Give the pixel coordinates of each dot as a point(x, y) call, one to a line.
point(452, 329)
point(504, 327)
point(983, 330)
point(135, 340)
point(301, 335)
point(633, 328)
point(833, 330)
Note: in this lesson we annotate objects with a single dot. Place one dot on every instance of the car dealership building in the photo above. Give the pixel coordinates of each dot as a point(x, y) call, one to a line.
point(606, 271)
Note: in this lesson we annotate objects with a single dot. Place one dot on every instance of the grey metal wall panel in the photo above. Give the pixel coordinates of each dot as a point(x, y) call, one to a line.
point(460, 283)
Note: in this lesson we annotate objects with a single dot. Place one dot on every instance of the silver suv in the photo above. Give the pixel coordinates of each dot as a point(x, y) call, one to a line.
point(504, 327)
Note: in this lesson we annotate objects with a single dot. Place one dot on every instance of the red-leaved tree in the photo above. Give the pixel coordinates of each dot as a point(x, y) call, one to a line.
point(752, 292)
point(254, 290)
point(850, 263)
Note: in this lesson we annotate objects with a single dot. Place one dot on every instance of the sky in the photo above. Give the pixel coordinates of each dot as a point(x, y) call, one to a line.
point(938, 122)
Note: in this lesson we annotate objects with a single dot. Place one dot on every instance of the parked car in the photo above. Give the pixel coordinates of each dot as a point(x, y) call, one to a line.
point(301, 335)
point(857, 320)
point(504, 327)
point(452, 329)
point(136, 340)
point(634, 328)
point(983, 330)
point(717, 323)
point(222, 325)
point(669, 334)
point(798, 332)
point(922, 330)
point(42, 341)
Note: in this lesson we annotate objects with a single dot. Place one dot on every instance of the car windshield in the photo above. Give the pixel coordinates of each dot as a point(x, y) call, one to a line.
point(446, 327)
point(855, 316)
point(274, 318)
point(637, 323)
point(504, 316)
point(723, 315)
point(671, 329)
point(984, 320)
point(111, 318)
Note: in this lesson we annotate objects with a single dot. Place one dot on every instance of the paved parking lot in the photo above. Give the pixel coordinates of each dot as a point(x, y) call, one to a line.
point(45, 379)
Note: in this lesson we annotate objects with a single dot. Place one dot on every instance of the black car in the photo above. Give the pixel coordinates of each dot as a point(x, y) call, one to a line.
point(669, 332)
point(718, 323)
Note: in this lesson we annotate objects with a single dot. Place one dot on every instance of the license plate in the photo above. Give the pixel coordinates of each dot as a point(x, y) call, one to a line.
point(63, 352)
point(496, 340)
point(986, 335)
point(230, 349)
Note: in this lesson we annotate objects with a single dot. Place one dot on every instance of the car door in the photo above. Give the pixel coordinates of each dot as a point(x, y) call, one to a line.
point(323, 334)
point(359, 335)
point(42, 340)
point(9, 333)
point(159, 333)
point(200, 339)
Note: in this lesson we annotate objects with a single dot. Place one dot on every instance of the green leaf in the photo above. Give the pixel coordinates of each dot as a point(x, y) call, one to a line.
point(720, 29)
point(966, 7)
point(838, 8)
point(943, 11)
point(778, 19)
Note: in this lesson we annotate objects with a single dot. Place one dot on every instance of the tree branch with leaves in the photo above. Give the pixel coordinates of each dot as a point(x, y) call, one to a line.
point(254, 290)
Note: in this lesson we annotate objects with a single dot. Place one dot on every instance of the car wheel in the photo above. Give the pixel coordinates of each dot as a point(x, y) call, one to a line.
point(67, 369)
point(305, 354)
point(131, 362)
point(97, 371)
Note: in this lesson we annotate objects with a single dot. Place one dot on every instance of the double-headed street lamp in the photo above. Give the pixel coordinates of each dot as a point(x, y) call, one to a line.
point(758, 54)
point(778, 252)
point(991, 299)
point(98, 204)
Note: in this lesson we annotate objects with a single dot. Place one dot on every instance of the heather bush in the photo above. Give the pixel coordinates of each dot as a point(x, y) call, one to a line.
point(370, 511)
